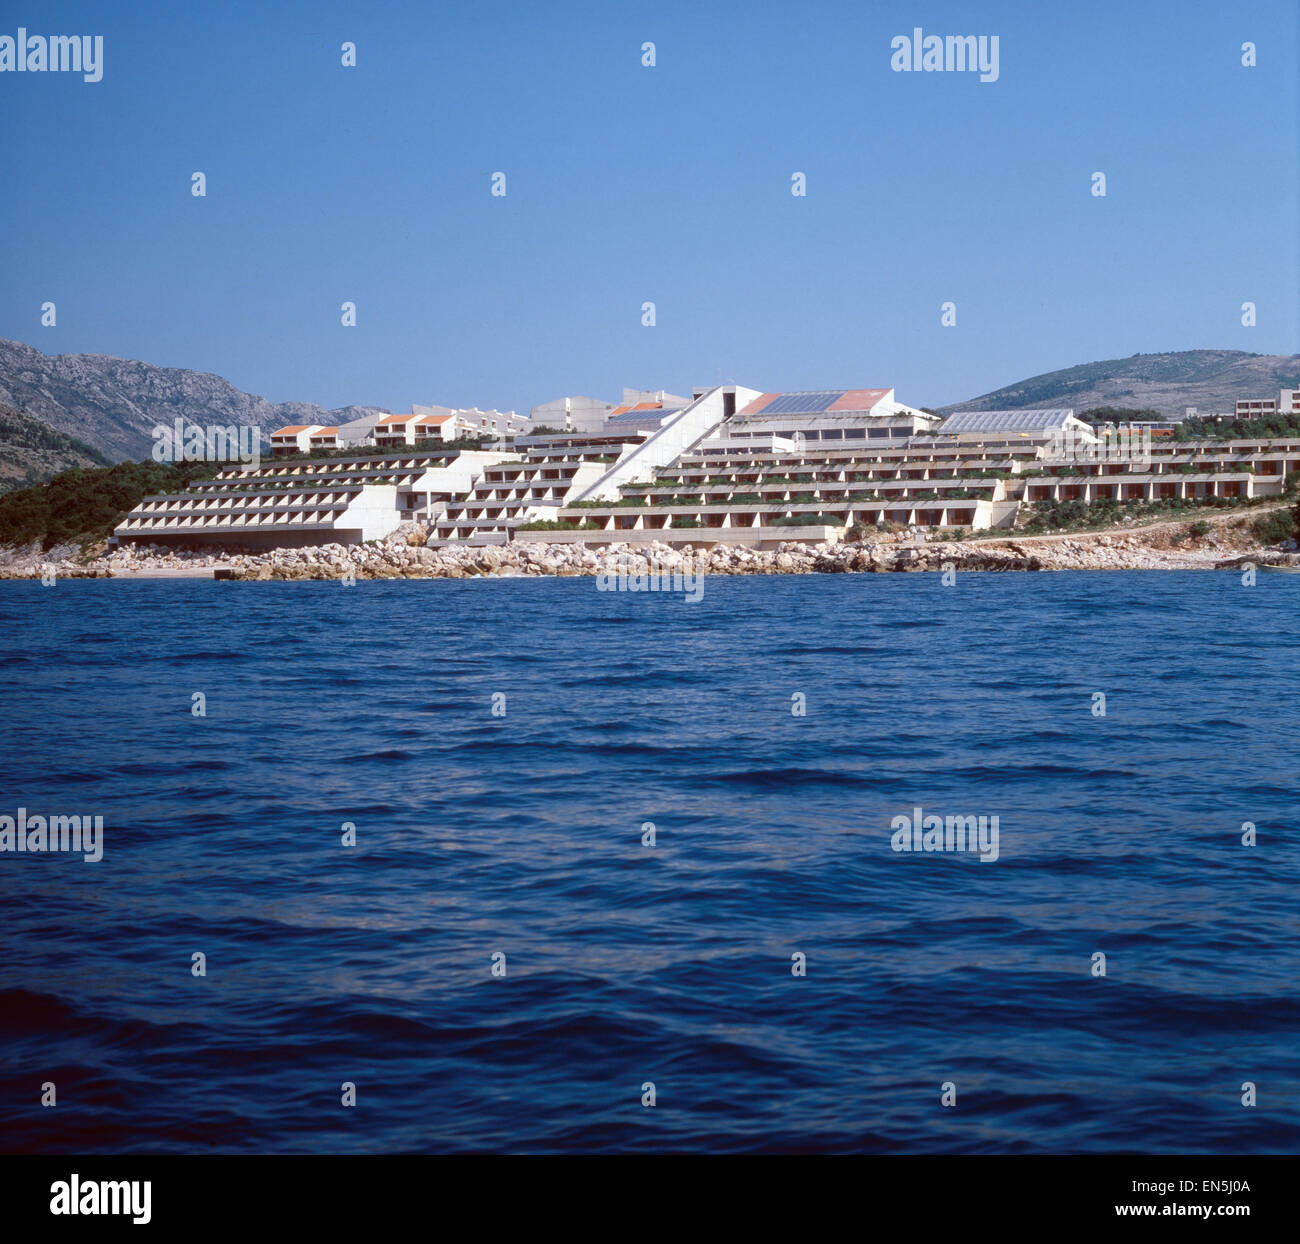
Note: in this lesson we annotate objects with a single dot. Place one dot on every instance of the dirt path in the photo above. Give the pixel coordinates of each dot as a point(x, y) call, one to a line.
point(1215, 517)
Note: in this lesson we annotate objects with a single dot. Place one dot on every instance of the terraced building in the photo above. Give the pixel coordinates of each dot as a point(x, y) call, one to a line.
point(731, 465)
point(311, 502)
point(720, 494)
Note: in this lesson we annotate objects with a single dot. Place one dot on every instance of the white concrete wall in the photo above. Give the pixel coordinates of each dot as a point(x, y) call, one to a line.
point(359, 431)
point(685, 429)
point(586, 414)
point(461, 474)
point(374, 512)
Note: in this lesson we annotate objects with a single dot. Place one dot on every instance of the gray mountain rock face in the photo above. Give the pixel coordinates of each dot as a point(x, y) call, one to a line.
point(114, 404)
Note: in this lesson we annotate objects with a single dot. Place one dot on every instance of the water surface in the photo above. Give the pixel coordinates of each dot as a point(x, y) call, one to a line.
point(625, 964)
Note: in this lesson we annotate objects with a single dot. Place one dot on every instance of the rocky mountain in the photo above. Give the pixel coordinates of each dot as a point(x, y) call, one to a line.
point(112, 404)
point(1210, 380)
point(31, 451)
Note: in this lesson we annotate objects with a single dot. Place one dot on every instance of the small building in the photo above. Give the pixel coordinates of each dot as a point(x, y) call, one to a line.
point(1286, 403)
point(295, 439)
point(589, 414)
point(572, 414)
point(324, 438)
point(498, 424)
point(414, 429)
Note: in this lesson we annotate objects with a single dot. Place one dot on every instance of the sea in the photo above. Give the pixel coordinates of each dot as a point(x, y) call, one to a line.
point(519, 865)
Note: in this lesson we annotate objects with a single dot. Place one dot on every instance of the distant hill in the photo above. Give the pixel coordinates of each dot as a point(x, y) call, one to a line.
point(112, 404)
point(31, 451)
point(1210, 380)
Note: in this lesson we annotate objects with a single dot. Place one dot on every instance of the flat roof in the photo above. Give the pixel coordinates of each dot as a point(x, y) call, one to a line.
point(1024, 420)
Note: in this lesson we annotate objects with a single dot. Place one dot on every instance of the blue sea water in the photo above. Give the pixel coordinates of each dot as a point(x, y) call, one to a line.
point(668, 964)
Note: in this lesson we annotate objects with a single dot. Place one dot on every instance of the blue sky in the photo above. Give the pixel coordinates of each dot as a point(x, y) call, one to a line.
point(669, 184)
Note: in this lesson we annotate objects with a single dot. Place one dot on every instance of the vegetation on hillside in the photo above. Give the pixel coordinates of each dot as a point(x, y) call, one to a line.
point(429, 448)
point(1277, 525)
point(1054, 388)
point(32, 452)
point(1237, 429)
point(1067, 516)
point(1119, 414)
point(86, 503)
point(562, 524)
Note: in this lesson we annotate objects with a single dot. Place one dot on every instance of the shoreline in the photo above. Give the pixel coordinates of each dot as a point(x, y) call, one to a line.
point(407, 557)
point(1215, 542)
point(1202, 540)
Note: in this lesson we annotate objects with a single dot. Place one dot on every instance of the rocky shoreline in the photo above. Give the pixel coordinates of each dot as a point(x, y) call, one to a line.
point(406, 555)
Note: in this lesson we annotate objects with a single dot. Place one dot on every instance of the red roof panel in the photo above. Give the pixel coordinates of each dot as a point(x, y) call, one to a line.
point(858, 399)
point(759, 403)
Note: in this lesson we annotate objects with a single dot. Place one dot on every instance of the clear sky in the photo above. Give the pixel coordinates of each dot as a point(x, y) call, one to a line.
point(627, 184)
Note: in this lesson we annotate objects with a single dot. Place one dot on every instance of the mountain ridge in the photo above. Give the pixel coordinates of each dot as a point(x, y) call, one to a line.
point(112, 404)
point(31, 451)
point(1211, 380)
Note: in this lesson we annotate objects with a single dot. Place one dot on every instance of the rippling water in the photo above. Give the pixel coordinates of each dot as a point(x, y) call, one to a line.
point(670, 964)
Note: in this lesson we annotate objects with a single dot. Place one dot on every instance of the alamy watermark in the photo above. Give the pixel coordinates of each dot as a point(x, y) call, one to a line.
point(945, 53)
point(83, 54)
point(640, 576)
point(127, 1197)
point(931, 832)
point(187, 442)
point(1130, 445)
point(42, 834)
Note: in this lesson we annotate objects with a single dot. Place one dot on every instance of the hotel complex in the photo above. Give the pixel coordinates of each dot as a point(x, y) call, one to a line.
point(729, 465)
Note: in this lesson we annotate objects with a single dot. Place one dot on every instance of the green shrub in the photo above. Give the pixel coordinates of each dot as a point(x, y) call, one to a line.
point(807, 520)
point(1276, 526)
point(86, 503)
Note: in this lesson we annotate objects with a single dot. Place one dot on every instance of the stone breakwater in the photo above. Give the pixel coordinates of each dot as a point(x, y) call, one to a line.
point(405, 555)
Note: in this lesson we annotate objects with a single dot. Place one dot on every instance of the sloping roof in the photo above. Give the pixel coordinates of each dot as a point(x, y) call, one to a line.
point(814, 402)
point(643, 415)
point(762, 400)
point(859, 399)
point(325, 432)
point(1005, 420)
point(624, 411)
point(294, 429)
